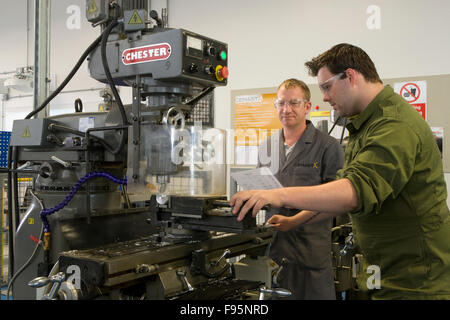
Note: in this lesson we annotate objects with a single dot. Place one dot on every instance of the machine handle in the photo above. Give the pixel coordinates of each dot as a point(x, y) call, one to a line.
point(39, 282)
point(198, 265)
point(225, 254)
point(56, 279)
point(62, 162)
point(349, 244)
point(182, 275)
point(279, 292)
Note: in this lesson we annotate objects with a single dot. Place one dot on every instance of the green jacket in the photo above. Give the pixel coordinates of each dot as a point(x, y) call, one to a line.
point(402, 222)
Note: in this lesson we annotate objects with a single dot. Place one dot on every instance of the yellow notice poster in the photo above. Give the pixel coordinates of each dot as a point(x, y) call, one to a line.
point(254, 118)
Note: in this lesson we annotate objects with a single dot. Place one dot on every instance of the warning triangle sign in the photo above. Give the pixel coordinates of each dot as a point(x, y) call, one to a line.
point(26, 134)
point(135, 18)
point(92, 7)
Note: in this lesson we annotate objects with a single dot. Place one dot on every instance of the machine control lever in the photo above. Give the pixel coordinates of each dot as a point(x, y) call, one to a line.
point(62, 162)
point(225, 254)
point(283, 265)
point(25, 165)
point(198, 265)
point(56, 279)
point(182, 275)
point(39, 282)
point(349, 244)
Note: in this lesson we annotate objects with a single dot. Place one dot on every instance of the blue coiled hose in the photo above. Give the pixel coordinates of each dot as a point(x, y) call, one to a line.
point(46, 212)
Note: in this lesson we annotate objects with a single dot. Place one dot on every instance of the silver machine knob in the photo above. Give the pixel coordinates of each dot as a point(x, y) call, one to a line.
point(56, 281)
point(279, 292)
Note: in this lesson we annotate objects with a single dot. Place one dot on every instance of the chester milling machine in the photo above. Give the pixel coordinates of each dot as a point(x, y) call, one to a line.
point(130, 203)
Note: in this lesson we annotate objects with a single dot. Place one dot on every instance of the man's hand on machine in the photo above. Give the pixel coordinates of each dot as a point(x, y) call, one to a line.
point(243, 201)
point(281, 223)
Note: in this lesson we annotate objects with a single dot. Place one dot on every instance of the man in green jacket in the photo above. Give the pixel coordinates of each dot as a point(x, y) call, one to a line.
point(392, 183)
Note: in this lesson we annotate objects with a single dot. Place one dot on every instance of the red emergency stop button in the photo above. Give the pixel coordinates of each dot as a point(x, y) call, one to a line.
point(221, 72)
point(224, 72)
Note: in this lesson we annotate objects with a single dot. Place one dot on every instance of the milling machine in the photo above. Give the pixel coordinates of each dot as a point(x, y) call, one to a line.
point(130, 203)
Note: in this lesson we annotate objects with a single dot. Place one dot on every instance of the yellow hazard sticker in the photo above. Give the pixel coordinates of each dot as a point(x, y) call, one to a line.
point(26, 133)
point(92, 7)
point(135, 18)
point(30, 220)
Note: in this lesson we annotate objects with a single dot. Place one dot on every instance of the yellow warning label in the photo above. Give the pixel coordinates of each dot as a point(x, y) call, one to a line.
point(30, 220)
point(26, 134)
point(135, 18)
point(92, 7)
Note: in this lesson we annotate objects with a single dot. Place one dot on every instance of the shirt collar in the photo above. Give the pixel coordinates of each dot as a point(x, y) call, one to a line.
point(358, 120)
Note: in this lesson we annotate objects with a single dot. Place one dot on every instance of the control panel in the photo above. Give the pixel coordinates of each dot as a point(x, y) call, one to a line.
point(174, 55)
point(205, 58)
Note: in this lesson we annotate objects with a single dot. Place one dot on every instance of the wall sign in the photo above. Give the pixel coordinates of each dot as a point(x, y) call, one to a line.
point(415, 92)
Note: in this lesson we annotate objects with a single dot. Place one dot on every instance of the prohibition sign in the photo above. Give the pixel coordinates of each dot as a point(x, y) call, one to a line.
point(410, 91)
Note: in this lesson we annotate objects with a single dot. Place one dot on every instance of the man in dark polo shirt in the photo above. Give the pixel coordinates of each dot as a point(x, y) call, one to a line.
point(392, 183)
point(305, 157)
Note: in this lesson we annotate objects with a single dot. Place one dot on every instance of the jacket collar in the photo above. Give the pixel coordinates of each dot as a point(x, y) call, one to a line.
point(306, 138)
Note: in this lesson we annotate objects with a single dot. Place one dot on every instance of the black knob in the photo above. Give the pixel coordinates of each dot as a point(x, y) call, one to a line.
point(193, 68)
point(211, 51)
point(209, 69)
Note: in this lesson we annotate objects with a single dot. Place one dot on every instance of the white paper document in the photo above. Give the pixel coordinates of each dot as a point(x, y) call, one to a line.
point(260, 178)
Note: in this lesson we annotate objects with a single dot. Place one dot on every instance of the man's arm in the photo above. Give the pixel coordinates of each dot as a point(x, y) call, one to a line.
point(332, 161)
point(286, 223)
point(336, 197)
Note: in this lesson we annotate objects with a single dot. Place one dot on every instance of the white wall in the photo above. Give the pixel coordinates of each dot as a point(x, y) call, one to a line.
point(269, 40)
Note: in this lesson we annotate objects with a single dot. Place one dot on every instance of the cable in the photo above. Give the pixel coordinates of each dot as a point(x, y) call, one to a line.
point(46, 212)
point(343, 130)
point(10, 219)
point(56, 127)
point(4, 170)
point(13, 204)
point(334, 125)
point(25, 265)
point(45, 228)
point(111, 82)
point(68, 78)
point(15, 180)
point(102, 39)
point(199, 96)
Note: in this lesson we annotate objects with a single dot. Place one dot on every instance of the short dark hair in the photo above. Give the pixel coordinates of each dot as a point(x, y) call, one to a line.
point(341, 57)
